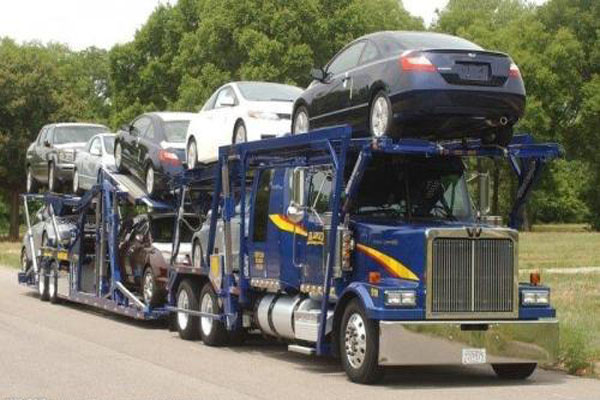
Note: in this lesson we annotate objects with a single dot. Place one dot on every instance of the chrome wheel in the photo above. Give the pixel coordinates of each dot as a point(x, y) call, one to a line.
point(183, 302)
point(197, 255)
point(355, 339)
point(148, 287)
point(301, 123)
point(206, 306)
point(192, 155)
point(118, 156)
point(75, 182)
point(240, 134)
point(380, 116)
point(150, 180)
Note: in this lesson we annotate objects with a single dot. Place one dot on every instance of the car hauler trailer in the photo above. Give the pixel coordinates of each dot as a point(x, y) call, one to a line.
point(364, 248)
point(84, 267)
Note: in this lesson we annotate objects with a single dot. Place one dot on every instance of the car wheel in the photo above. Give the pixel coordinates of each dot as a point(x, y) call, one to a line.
point(239, 133)
point(197, 255)
point(192, 154)
point(300, 122)
point(150, 288)
point(380, 115)
point(53, 283)
point(212, 331)
point(76, 188)
point(52, 184)
point(150, 180)
point(32, 185)
point(43, 284)
point(187, 299)
point(359, 346)
point(119, 158)
point(514, 371)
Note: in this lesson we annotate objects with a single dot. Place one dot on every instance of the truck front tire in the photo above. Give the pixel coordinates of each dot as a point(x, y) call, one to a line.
point(514, 371)
point(359, 345)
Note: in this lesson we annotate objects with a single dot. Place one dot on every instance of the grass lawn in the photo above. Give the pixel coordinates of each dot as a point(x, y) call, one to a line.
point(575, 296)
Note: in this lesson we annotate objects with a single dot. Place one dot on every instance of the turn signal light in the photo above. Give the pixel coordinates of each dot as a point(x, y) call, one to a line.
point(374, 277)
point(166, 157)
point(535, 278)
point(416, 62)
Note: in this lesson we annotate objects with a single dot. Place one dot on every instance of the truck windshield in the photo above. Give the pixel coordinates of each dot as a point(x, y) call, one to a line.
point(414, 189)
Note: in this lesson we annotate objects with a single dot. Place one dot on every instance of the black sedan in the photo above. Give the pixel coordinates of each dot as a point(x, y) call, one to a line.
point(415, 84)
point(152, 148)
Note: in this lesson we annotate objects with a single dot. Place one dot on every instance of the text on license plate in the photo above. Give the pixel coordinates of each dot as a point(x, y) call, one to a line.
point(473, 356)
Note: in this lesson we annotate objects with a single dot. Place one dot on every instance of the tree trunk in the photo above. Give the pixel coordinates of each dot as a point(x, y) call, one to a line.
point(13, 233)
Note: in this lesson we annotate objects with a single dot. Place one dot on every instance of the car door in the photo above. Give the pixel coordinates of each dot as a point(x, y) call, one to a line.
point(332, 98)
point(148, 143)
point(44, 153)
point(220, 116)
point(361, 80)
point(92, 159)
point(33, 154)
point(139, 127)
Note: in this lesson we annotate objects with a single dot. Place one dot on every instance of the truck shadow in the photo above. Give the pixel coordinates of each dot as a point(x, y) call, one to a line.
point(410, 377)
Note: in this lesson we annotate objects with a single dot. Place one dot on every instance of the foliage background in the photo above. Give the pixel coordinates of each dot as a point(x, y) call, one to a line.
point(185, 51)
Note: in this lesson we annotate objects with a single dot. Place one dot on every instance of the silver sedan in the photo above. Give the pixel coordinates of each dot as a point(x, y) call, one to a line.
point(97, 153)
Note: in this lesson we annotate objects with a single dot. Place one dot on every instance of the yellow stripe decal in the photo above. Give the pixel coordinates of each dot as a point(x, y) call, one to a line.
point(392, 265)
point(286, 225)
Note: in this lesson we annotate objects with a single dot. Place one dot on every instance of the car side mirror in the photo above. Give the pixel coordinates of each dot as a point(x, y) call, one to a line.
point(46, 143)
point(95, 152)
point(318, 74)
point(295, 211)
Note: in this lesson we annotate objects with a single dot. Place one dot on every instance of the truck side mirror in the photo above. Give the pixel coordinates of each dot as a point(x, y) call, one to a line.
point(484, 194)
point(295, 211)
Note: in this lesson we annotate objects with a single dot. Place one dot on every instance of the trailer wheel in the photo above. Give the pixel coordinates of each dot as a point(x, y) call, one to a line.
point(514, 371)
point(187, 298)
point(53, 283)
point(150, 288)
point(43, 284)
point(212, 331)
point(25, 263)
point(359, 345)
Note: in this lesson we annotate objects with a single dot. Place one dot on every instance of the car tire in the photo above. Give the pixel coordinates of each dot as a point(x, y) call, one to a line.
point(188, 325)
point(212, 331)
point(32, 185)
point(76, 188)
point(25, 263)
point(380, 115)
point(43, 281)
point(53, 282)
point(514, 371)
point(119, 158)
point(301, 121)
point(192, 154)
point(149, 288)
point(359, 345)
point(52, 183)
point(240, 135)
point(150, 180)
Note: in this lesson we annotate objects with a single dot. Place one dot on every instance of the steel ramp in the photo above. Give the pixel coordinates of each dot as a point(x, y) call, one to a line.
point(135, 192)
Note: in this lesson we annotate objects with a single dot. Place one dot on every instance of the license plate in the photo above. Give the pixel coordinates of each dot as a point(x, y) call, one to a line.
point(473, 356)
point(473, 72)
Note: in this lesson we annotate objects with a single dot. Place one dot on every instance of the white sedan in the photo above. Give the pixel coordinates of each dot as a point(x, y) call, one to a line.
point(239, 112)
point(97, 153)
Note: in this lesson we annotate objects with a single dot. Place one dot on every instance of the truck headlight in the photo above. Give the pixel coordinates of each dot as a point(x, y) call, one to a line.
point(401, 298)
point(535, 297)
point(66, 156)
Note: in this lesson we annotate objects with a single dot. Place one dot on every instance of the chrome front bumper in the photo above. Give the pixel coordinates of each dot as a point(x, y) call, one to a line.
point(447, 342)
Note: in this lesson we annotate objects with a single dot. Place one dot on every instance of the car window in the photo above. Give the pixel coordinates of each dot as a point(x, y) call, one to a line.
point(225, 93)
point(74, 133)
point(42, 136)
point(109, 144)
point(370, 53)
point(140, 125)
point(150, 134)
point(210, 103)
point(176, 131)
point(50, 135)
point(430, 40)
point(96, 147)
point(347, 59)
point(267, 91)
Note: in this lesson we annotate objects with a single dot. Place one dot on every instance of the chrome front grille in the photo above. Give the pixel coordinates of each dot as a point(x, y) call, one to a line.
point(472, 277)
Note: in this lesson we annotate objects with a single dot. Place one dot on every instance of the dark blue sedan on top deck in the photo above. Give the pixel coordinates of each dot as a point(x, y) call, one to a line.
point(415, 84)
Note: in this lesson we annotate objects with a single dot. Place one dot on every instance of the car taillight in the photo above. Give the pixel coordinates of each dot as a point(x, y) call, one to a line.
point(514, 71)
point(416, 62)
point(167, 157)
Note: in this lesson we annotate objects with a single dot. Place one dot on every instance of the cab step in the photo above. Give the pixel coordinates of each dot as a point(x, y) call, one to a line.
point(309, 351)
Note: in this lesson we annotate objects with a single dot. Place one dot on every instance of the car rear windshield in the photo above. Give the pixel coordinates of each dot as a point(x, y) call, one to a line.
point(176, 131)
point(76, 134)
point(109, 144)
point(162, 229)
point(402, 41)
point(263, 91)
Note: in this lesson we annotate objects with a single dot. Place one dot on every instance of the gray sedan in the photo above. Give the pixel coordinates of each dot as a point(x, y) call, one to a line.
point(97, 153)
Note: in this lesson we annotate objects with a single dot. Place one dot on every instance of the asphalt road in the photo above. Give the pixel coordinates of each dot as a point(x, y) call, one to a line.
point(69, 351)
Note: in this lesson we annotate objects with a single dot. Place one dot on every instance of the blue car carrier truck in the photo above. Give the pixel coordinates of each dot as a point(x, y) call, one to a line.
point(366, 249)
